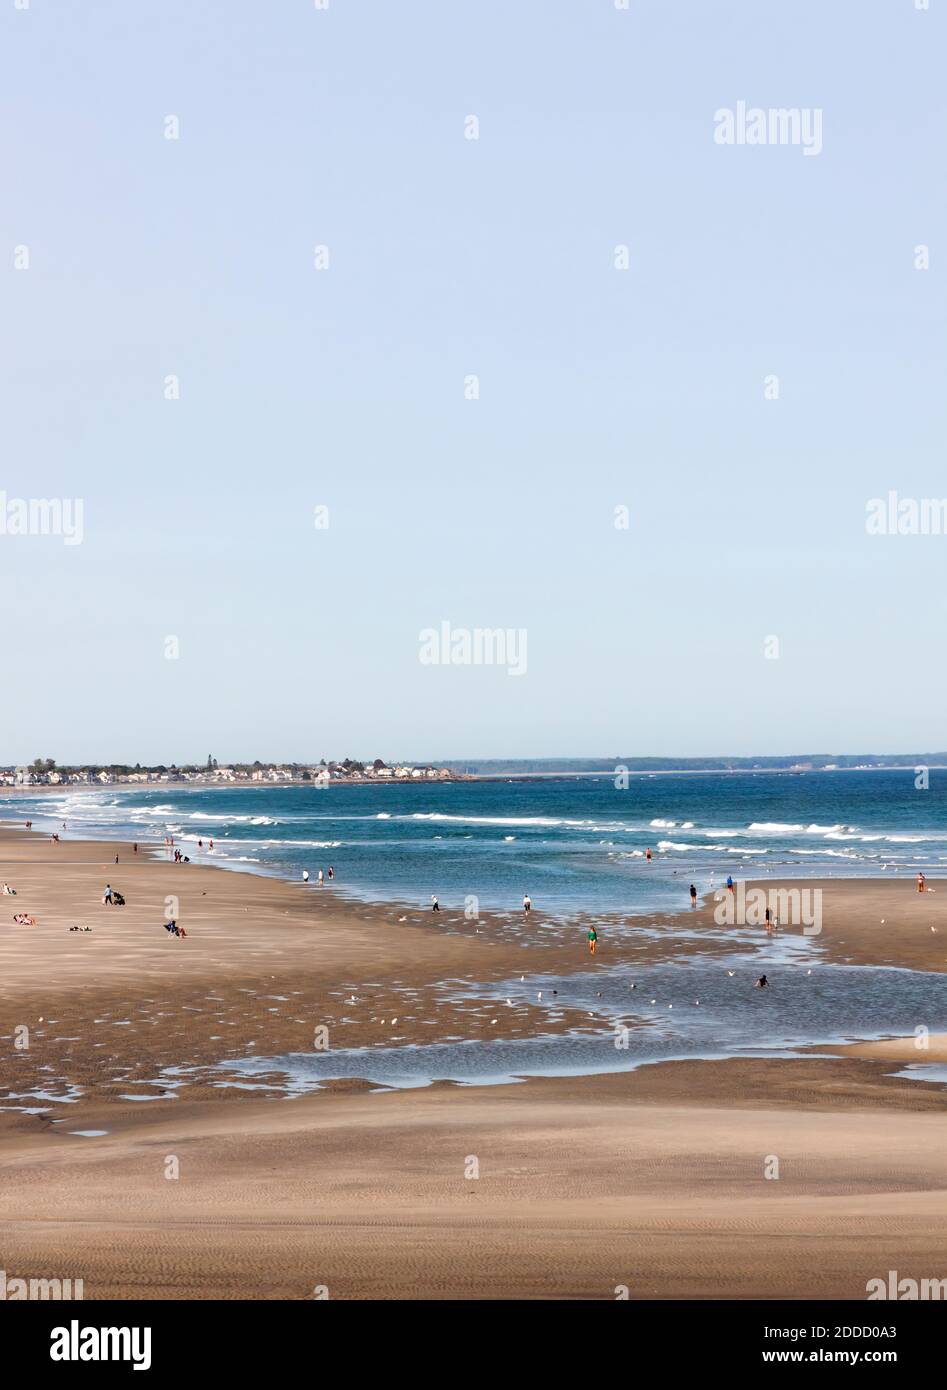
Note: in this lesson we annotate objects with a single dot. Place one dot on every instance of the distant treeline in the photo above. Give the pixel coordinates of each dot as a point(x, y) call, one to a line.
point(489, 767)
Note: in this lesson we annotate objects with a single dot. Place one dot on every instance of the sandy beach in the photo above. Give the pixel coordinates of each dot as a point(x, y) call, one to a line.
point(553, 1187)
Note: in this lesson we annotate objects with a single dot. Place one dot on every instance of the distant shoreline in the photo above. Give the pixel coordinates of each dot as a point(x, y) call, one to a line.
point(552, 775)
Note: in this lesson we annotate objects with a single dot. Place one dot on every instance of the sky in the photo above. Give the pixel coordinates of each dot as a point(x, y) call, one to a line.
point(209, 607)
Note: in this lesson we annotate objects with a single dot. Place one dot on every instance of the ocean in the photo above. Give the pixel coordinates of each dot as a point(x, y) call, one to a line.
point(575, 845)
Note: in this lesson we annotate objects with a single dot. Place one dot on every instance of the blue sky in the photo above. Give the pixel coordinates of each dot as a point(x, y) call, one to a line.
point(345, 388)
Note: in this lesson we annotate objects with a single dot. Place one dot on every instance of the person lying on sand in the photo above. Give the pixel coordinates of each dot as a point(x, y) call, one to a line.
point(23, 919)
point(174, 929)
point(80, 928)
point(10, 892)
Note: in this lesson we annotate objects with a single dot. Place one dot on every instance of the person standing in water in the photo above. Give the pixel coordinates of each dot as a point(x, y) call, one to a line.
point(693, 895)
point(527, 905)
point(647, 854)
point(593, 940)
point(320, 879)
point(305, 875)
point(331, 873)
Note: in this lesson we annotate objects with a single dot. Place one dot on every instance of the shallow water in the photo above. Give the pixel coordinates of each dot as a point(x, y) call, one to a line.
point(678, 1009)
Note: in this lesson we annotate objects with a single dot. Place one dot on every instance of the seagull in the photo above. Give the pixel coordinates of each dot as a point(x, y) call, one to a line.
point(934, 929)
point(654, 1001)
point(510, 1002)
point(731, 973)
point(696, 1001)
point(493, 1020)
point(632, 986)
point(808, 972)
point(393, 1022)
point(522, 978)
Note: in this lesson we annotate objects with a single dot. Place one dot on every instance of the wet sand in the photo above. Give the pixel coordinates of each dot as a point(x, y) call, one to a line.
point(652, 1179)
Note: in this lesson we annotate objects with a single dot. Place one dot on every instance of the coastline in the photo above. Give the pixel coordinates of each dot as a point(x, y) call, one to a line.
point(586, 1182)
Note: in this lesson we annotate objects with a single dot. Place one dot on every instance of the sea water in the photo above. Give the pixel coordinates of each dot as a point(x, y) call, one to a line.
point(574, 844)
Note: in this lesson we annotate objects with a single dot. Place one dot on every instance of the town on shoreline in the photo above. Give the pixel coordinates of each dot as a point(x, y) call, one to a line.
point(44, 772)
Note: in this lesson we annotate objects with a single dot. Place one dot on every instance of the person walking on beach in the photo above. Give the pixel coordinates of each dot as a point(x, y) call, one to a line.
point(693, 895)
point(593, 940)
point(921, 883)
point(435, 905)
point(135, 846)
point(729, 883)
point(107, 895)
point(527, 905)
